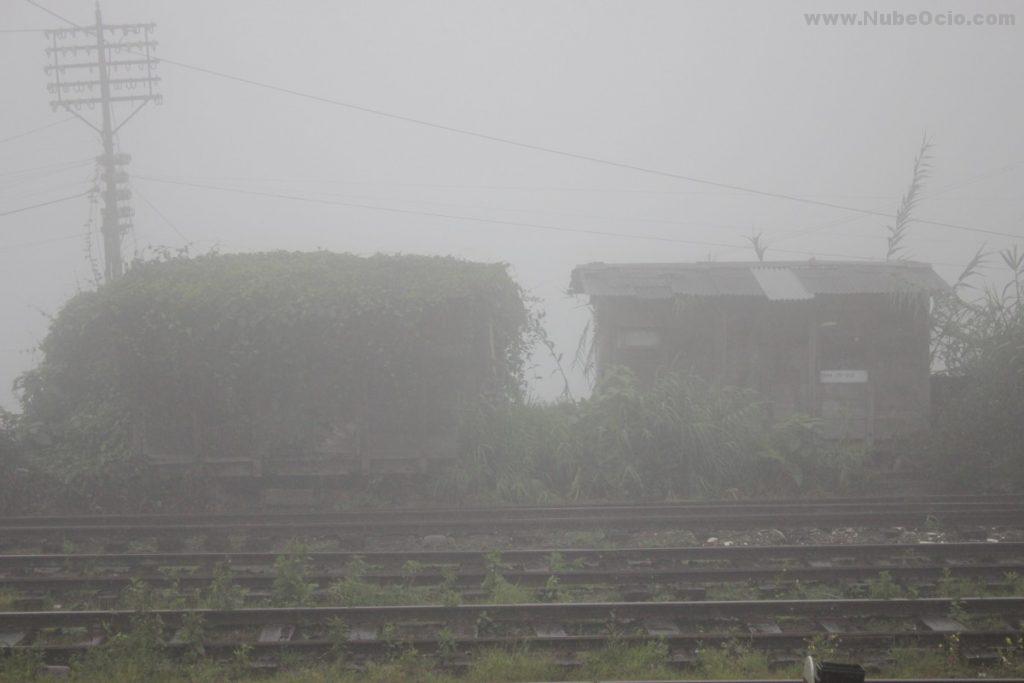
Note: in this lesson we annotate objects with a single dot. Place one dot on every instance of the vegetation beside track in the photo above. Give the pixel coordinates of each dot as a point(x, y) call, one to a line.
point(212, 334)
point(140, 656)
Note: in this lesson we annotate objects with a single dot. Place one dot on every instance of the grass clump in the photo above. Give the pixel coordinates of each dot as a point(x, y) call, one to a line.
point(7, 599)
point(733, 661)
point(503, 666)
point(500, 591)
point(290, 585)
point(621, 660)
point(944, 661)
point(950, 586)
point(733, 591)
point(884, 588)
point(355, 591)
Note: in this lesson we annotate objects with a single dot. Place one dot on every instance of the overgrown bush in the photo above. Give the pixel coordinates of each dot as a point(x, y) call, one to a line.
point(978, 430)
point(680, 437)
point(24, 489)
point(263, 355)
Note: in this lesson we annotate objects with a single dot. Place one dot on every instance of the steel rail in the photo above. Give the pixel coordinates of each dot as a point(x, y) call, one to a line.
point(937, 504)
point(469, 523)
point(367, 648)
point(690, 581)
point(544, 626)
point(364, 649)
point(532, 557)
point(533, 613)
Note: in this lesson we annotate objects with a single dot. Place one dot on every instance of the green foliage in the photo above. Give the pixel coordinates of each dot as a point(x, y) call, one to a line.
point(1011, 657)
point(740, 590)
point(945, 661)
point(796, 459)
point(950, 586)
point(733, 661)
point(223, 592)
point(884, 588)
point(621, 660)
point(24, 488)
point(979, 342)
point(21, 666)
point(263, 355)
point(519, 664)
point(136, 654)
point(908, 202)
point(500, 591)
point(290, 587)
point(680, 437)
point(7, 599)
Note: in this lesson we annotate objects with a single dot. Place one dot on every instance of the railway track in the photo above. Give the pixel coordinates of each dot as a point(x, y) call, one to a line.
point(951, 503)
point(643, 576)
point(351, 529)
point(687, 571)
point(776, 625)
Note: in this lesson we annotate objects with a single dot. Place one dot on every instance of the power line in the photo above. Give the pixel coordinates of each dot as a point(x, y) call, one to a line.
point(948, 188)
point(494, 221)
point(36, 130)
point(52, 13)
point(551, 150)
point(81, 183)
point(11, 247)
point(524, 188)
point(541, 148)
point(52, 201)
point(160, 213)
point(571, 214)
point(566, 153)
point(61, 166)
point(935, 195)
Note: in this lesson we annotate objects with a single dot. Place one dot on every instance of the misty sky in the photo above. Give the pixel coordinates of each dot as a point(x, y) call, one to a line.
point(743, 93)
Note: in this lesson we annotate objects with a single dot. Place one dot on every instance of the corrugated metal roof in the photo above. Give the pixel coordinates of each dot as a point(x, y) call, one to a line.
point(772, 280)
point(781, 284)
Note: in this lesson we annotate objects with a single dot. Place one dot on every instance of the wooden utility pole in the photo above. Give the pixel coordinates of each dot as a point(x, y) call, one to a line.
point(74, 85)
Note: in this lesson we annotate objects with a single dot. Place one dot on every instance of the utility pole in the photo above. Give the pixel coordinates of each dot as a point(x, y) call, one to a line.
point(74, 84)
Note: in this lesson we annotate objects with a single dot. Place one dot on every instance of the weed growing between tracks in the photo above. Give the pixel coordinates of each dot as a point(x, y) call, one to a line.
point(292, 585)
point(139, 656)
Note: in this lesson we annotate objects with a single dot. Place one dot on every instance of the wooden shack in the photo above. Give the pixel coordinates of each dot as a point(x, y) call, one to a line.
point(847, 342)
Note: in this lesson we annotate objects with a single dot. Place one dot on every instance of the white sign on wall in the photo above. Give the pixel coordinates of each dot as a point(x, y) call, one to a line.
point(843, 376)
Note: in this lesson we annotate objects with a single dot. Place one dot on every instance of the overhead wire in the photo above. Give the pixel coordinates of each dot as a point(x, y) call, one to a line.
point(540, 148)
point(19, 245)
point(47, 168)
point(42, 204)
point(567, 153)
point(36, 130)
point(158, 212)
point(943, 190)
point(494, 221)
point(52, 13)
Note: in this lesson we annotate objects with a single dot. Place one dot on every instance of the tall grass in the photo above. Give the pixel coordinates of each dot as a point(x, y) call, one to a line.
point(679, 437)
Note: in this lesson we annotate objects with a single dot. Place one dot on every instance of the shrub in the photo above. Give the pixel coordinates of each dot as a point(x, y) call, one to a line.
point(978, 432)
point(679, 437)
point(262, 355)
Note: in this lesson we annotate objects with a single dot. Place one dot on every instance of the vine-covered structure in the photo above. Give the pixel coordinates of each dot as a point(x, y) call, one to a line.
point(847, 342)
point(276, 364)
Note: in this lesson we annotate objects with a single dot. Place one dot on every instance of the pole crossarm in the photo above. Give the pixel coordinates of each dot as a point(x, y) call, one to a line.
point(114, 65)
point(85, 101)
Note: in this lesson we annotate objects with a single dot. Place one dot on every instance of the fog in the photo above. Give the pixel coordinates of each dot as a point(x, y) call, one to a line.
point(742, 94)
